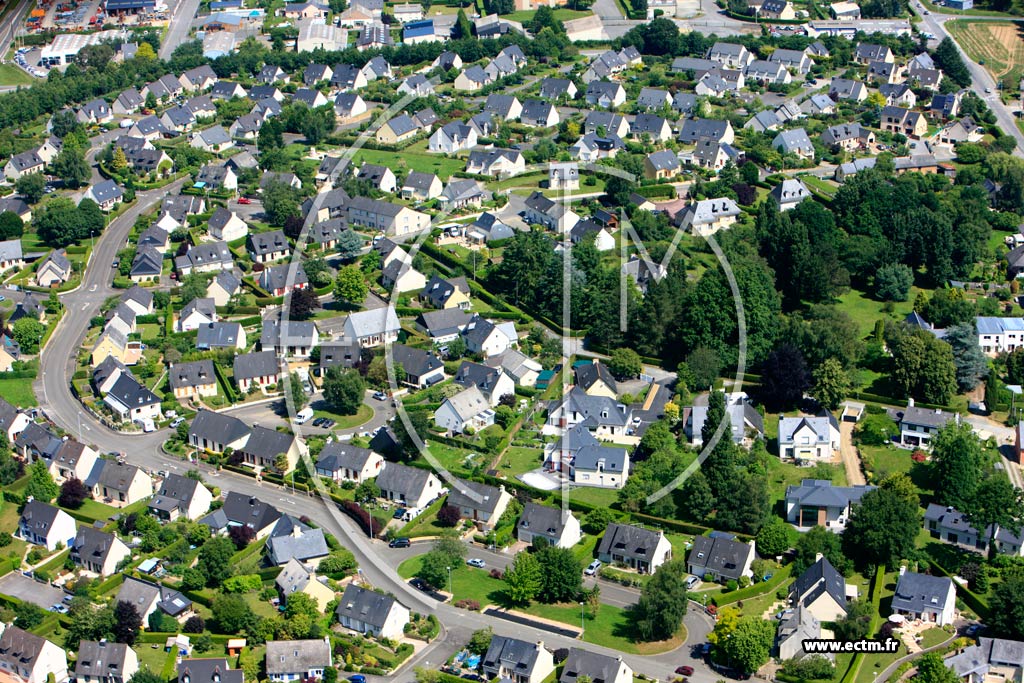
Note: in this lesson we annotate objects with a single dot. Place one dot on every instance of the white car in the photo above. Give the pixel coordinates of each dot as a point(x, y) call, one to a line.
point(476, 562)
point(177, 421)
point(692, 582)
point(592, 568)
point(303, 416)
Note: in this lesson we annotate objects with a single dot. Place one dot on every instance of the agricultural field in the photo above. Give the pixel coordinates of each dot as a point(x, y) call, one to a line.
point(998, 45)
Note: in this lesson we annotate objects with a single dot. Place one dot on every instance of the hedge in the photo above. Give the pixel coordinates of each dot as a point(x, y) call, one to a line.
point(970, 598)
point(769, 586)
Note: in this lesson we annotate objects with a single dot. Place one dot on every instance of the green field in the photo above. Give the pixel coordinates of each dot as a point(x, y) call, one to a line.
point(518, 460)
point(12, 75)
point(561, 14)
point(997, 45)
point(18, 392)
point(865, 311)
point(404, 161)
point(364, 415)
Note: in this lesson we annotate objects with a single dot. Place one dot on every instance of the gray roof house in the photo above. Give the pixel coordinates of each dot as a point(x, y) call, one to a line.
point(794, 142)
point(642, 549)
point(924, 597)
point(555, 527)
point(817, 502)
point(721, 556)
point(411, 486)
point(371, 613)
point(292, 539)
point(288, 660)
point(208, 670)
point(597, 667)
point(517, 660)
point(821, 590)
point(482, 503)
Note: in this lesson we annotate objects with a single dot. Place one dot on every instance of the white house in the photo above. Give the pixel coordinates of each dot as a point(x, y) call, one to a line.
point(557, 528)
point(925, 598)
point(808, 440)
point(28, 658)
point(468, 408)
point(46, 525)
point(298, 660)
point(371, 613)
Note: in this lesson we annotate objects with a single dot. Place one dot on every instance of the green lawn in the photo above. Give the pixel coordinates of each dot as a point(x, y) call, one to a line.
point(455, 459)
point(261, 608)
point(865, 310)
point(443, 166)
point(561, 14)
point(150, 331)
point(151, 657)
point(595, 495)
point(9, 517)
point(426, 524)
point(518, 460)
point(12, 75)
point(825, 187)
point(18, 392)
point(933, 637)
point(783, 474)
point(881, 461)
point(364, 415)
point(96, 510)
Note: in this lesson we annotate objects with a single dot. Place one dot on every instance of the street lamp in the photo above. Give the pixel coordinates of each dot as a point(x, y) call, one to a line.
point(450, 582)
point(582, 628)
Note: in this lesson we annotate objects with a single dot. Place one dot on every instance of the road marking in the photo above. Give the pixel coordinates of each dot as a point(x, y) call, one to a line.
point(85, 306)
point(93, 288)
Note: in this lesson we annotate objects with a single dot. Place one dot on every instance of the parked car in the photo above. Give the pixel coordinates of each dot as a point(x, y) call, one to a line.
point(401, 542)
point(380, 396)
point(476, 562)
point(691, 582)
point(357, 678)
point(398, 513)
point(245, 200)
point(592, 568)
point(684, 670)
point(177, 421)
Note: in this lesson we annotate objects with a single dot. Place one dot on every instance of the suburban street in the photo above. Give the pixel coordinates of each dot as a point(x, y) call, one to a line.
point(182, 14)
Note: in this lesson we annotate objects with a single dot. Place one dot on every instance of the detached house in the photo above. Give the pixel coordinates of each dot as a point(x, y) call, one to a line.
point(517, 660)
point(494, 383)
point(179, 496)
point(373, 327)
point(103, 662)
point(242, 510)
point(816, 502)
point(605, 94)
point(821, 591)
point(291, 660)
point(259, 369)
point(641, 549)
point(808, 440)
point(340, 461)
point(28, 658)
point(371, 613)
point(903, 121)
point(708, 216)
point(413, 487)
point(192, 380)
point(468, 408)
point(98, 552)
point(46, 525)
point(595, 667)
point(926, 598)
point(422, 368)
point(481, 503)
point(555, 527)
point(720, 556)
point(266, 247)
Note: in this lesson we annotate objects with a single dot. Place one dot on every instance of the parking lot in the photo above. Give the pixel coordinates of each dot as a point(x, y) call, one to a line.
point(26, 589)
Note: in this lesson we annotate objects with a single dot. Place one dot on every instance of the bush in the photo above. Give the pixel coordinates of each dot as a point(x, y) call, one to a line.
point(449, 516)
point(497, 574)
point(731, 585)
point(366, 522)
point(471, 605)
point(247, 583)
point(5, 539)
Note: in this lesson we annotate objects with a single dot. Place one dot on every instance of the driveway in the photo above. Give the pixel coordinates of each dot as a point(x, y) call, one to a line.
point(19, 586)
point(850, 456)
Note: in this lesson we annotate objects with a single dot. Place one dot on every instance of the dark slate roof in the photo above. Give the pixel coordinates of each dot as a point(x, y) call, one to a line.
point(39, 517)
point(93, 544)
point(180, 488)
point(917, 592)
point(267, 242)
point(218, 335)
point(444, 322)
point(131, 393)
point(241, 509)
point(629, 541)
point(267, 443)
point(821, 493)
point(208, 671)
point(340, 455)
point(367, 606)
point(821, 577)
point(597, 667)
point(217, 427)
point(415, 361)
point(101, 659)
point(511, 653)
point(591, 456)
point(488, 495)
point(402, 479)
point(588, 374)
point(542, 519)
point(296, 541)
point(722, 555)
point(472, 374)
point(256, 364)
point(194, 374)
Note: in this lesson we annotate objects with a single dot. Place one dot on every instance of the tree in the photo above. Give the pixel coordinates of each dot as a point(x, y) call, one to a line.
point(462, 29)
point(449, 516)
point(71, 167)
point(32, 187)
point(450, 548)
point(704, 366)
point(298, 393)
point(857, 622)
point(145, 52)
point(301, 604)
point(367, 490)
point(241, 535)
point(831, 384)
point(968, 358)
point(957, 465)
point(784, 377)
point(773, 537)
point(480, 641)
point(818, 540)
point(882, 529)
point(215, 561)
point(343, 390)
point(194, 624)
point(11, 225)
point(562, 574)
point(997, 502)
point(72, 494)
point(302, 304)
point(28, 615)
point(28, 332)
point(893, 282)
point(280, 202)
point(524, 579)
point(901, 484)
point(127, 623)
point(232, 613)
point(922, 366)
point(625, 364)
point(932, 669)
point(350, 286)
point(947, 57)
point(40, 484)
point(663, 602)
point(434, 569)
point(348, 245)
point(597, 520)
point(750, 644)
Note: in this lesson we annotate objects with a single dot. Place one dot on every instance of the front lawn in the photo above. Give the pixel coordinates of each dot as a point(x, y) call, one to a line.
point(152, 657)
point(362, 416)
point(18, 392)
point(595, 495)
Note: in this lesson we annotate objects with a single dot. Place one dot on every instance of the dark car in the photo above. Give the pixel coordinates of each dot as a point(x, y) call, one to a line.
point(398, 513)
point(684, 670)
point(399, 543)
point(421, 585)
point(357, 678)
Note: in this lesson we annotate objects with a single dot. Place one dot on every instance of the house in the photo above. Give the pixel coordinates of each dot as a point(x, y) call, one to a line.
point(848, 136)
point(925, 598)
point(652, 127)
point(821, 591)
point(808, 440)
point(443, 294)
point(602, 416)
point(885, 72)
point(898, 95)
point(28, 658)
point(12, 420)
point(846, 89)
point(211, 670)
point(708, 216)
point(96, 551)
point(256, 370)
point(264, 448)
point(111, 342)
point(794, 60)
point(291, 660)
point(139, 300)
point(393, 219)
point(903, 121)
point(552, 525)
point(945, 107)
point(539, 114)
point(275, 279)
point(852, 168)
point(918, 425)
point(488, 339)
point(192, 380)
point(128, 102)
point(132, 401)
point(179, 119)
point(103, 662)
point(558, 89)
point(373, 328)
point(444, 325)
point(214, 139)
point(223, 287)
point(951, 526)
point(595, 379)
point(452, 137)
point(643, 550)
point(995, 656)
point(816, 502)
point(487, 228)
point(422, 368)
point(693, 131)
point(215, 432)
point(763, 121)
point(195, 314)
point(503, 107)
point(605, 94)
point(148, 597)
point(495, 162)
point(721, 557)
point(481, 503)
point(220, 335)
point(291, 539)
point(417, 85)
point(606, 124)
point(265, 247)
point(560, 455)
point(227, 90)
point(45, 525)
point(212, 177)
point(552, 214)
point(226, 226)
point(777, 9)
point(563, 176)
point(461, 193)
point(472, 79)
point(789, 193)
point(601, 466)
point(371, 613)
point(794, 142)
point(595, 667)
point(420, 31)
point(730, 55)
point(118, 483)
point(179, 496)
point(242, 510)
point(447, 61)
point(517, 660)
point(718, 83)
point(207, 257)
point(713, 156)
point(768, 72)
point(340, 461)
point(106, 194)
point(492, 382)
point(468, 408)
point(963, 130)
point(23, 164)
point(396, 130)
point(413, 487)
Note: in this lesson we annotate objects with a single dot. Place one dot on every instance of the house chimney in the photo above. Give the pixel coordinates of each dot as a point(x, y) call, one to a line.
point(903, 569)
point(818, 557)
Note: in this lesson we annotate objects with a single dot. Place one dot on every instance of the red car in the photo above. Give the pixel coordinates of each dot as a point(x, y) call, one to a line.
point(685, 670)
point(244, 200)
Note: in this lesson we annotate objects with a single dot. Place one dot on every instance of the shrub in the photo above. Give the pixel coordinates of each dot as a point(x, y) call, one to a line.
point(366, 522)
point(731, 585)
point(247, 583)
point(497, 574)
point(449, 516)
point(471, 605)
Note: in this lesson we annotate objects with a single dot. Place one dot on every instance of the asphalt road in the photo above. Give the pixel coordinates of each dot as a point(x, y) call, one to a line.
point(12, 24)
point(178, 27)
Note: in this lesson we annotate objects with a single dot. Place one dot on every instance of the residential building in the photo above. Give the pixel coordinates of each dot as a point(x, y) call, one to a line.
point(721, 557)
point(925, 598)
point(643, 550)
point(96, 551)
point(371, 613)
point(259, 370)
point(553, 525)
point(340, 461)
point(28, 658)
point(918, 425)
point(821, 591)
point(212, 670)
point(373, 327)
point(193, 379)
point(132, 401)
point(148, 597)
point(294, 660)
point(295, 339)
point(816, 502)
point(517, 660)
point(242, 510)
point(422, 368)
point(104, 662)
point(180, 496)
point(809, 440)
point(480, 503)
point(468, 408)
point(708, 216)
point(46, 525)
point(492, 382)
point(292, 539)
point(413, 487)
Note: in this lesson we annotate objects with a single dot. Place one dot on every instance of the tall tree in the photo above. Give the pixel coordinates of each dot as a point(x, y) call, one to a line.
point(971, 364)
point(831, 384)
point(350, 286)
point(32, 187)
point(957, 465)
point(71, 167)
point(562, 574)
point(663, 602)
point(749, 645)
point(947, 58)
point(127, 623)
point(882, 529)
point(784, 377)
point(997, 502)
point(932, 669)
point(343, 390)
point(41, 486)
point(523, 580)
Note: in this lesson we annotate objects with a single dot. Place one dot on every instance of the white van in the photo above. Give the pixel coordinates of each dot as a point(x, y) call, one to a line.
point(303, 416)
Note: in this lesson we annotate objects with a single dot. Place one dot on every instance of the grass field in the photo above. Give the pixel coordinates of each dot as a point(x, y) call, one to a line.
point(518, 460)
point(151, 657)
point(998, 44)
point(865, 311)
point(364, 415)
point(411, 161)
point(18, 392)
point(12, 75)
point(561, 14)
